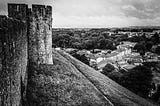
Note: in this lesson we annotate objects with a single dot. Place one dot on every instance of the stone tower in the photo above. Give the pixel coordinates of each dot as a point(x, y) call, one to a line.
point(40, 34)
point(25, 38)
point(13, 35)
point(39, 30)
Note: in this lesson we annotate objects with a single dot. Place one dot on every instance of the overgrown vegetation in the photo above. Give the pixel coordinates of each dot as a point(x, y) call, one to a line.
point(82, 58)
point(145, 44)
point(88, 41)
point(108, 69)
point(138, 80)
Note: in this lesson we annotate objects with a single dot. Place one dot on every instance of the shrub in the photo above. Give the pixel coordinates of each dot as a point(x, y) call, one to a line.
point(138, 80)
point(107, 69)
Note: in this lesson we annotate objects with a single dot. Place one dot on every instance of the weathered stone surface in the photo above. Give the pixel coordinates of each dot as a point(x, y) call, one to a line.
point(14, 61)
point(24, 27)
point(40, 34)
point(17, 11)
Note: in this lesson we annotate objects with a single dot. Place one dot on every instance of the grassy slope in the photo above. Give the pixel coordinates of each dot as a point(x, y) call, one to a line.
point(117, 94)
point(63, 85)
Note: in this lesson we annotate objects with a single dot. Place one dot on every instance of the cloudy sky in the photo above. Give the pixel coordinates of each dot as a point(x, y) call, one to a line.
point(98, 13)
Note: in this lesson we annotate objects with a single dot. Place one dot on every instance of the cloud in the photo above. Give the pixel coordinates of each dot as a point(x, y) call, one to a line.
point(3, 3)
point(98, 13)
point(142, 9)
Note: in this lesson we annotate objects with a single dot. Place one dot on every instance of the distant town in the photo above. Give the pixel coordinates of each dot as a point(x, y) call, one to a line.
point(116, 52)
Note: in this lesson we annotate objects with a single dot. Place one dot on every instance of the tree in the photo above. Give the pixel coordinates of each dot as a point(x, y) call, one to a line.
point(90, 44)
point(155, 38)
point(115, 76)
point(143, 37)
point(134, 39)
point(138, 80)
point(62, 40)
point(106, 35)
point(103, 43)
point(140, 47)
point(76, 45)
point(107, 69)
point(149, 45)
point(82, 58)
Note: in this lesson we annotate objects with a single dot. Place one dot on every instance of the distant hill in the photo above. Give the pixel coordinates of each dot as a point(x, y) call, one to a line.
point(153, 27)
point(114, 29)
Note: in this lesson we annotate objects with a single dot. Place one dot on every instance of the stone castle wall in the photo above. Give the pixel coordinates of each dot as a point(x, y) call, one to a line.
point(14, 60)
point(40, 34)
point(39, 23)
point(25, 38)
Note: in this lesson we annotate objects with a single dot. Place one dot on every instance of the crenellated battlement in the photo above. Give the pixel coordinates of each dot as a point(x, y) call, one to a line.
point(42, 11)
point(17, 11)
point(21, 11)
